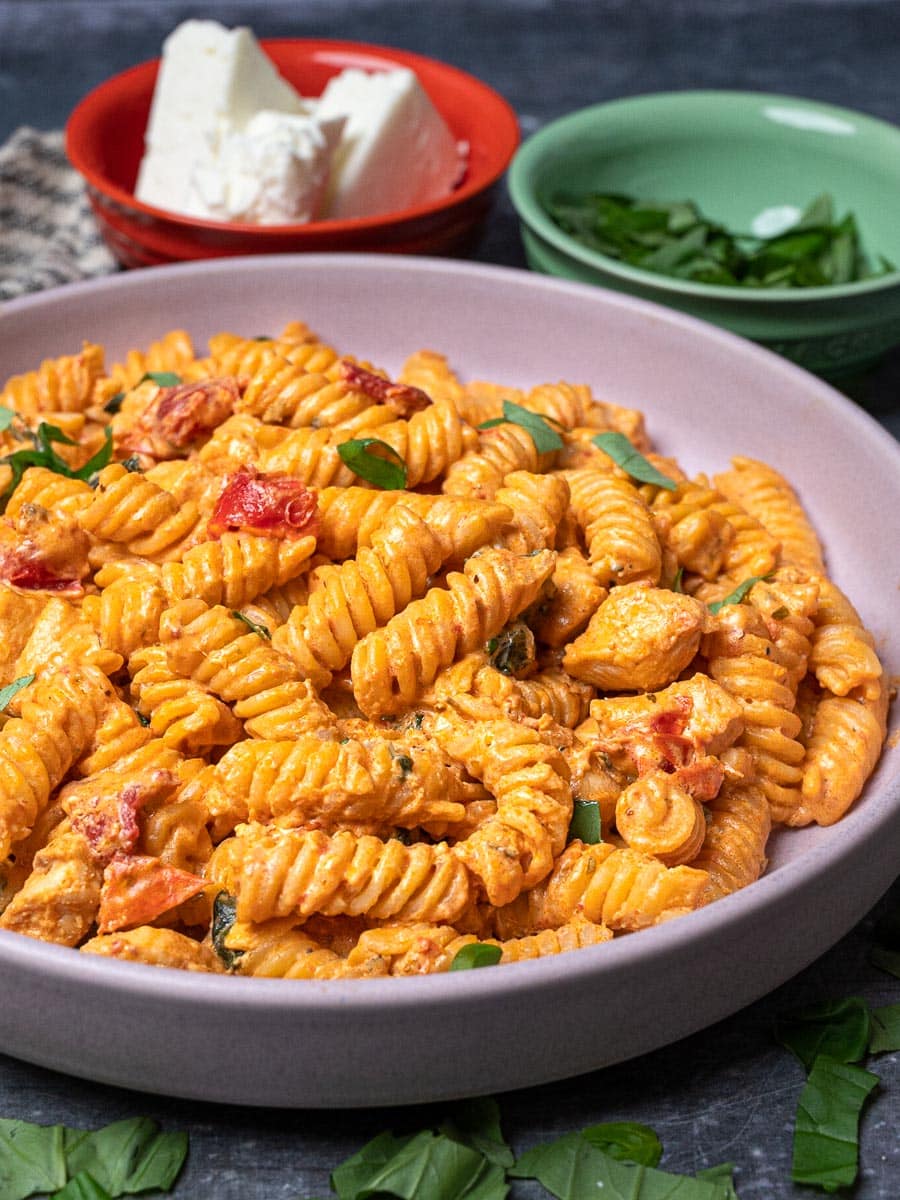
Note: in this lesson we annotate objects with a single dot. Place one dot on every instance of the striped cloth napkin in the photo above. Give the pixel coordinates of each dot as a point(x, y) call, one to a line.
point(48, 235)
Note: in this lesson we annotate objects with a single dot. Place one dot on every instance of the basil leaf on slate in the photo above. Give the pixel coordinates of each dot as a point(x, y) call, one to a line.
point(31, 1159)
point(375, 461)
point(476, 1124)
point(426, 1164)
point(82, 1187)
point(572, 1169)
point(884, 1036)
point(826, 1148)
point(838, 1028)
point(128, 1156)
point(623, 453)
point(627, 1141)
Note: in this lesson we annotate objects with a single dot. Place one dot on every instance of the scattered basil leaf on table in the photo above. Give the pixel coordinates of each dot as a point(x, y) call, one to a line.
point(722, 1173)
point(425, 1164)
point(11, 689)
point(628, 1141)
point(738, 594)
point(31, 1159)
point(884, 1036)
point(476, 954)
point(572, 1169)
point(838, 1028)
point(622, 452)
point(544, 436)
point(375, 461)
point(120, 1159)
point(585, 823)
point(476, 1123)
point(82, 1187)
point(826, 1148)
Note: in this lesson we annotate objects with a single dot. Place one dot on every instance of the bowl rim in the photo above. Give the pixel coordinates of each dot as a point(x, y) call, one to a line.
point(534, 216)
point(501, 114)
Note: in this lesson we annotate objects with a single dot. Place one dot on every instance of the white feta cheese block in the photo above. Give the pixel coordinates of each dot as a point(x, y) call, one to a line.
point(396, 150)
point(210, 78)
point(274, 172)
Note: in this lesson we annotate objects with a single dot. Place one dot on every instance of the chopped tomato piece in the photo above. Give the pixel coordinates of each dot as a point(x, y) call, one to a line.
point(109, 823)
point(190, 411)
point(268, 505)
point(137, 889)
point(31, 574)
point(405, 398)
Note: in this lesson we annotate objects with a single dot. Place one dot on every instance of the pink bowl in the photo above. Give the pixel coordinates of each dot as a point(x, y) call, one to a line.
point(105, 143)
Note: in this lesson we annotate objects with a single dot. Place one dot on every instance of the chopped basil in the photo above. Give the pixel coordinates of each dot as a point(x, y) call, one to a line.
point(262, 630)
point(132, 464)
point(585, 823)
point(623, 453)
point(545, 438)
point(838, 1028)
point(677, 239)
point(161, 378)
point(43, 455)
point(7, 416)
point(826, 1148)
point(780, 613)
point(512, 650)
point(739, 593)
point(476, 954)
point(11, 689)
point(223, 917)
point(375, 461)
point(678, 581)
point(144, 720)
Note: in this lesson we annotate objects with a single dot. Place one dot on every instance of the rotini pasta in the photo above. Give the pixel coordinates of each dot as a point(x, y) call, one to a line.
point(271, 711)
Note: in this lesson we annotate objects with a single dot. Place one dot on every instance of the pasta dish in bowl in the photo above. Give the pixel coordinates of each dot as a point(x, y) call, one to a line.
point(330, 665)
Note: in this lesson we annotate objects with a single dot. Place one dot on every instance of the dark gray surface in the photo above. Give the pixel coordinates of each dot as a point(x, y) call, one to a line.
point(728, 1093)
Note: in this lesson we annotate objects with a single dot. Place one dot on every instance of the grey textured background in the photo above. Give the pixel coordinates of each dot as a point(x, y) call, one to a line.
point(730, 1092)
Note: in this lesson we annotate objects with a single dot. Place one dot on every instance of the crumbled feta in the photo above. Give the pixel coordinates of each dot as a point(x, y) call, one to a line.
point(274, 172)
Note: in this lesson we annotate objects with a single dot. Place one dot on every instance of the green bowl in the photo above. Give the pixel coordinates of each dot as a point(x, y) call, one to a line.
point(735, 154)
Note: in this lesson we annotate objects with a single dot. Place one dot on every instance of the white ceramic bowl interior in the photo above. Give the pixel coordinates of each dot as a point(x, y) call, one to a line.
point(707, 395)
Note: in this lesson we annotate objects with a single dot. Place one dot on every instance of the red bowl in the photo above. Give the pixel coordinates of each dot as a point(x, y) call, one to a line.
point(105, 143)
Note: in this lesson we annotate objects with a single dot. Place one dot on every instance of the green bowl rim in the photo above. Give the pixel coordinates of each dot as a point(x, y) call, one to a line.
point(533, 215)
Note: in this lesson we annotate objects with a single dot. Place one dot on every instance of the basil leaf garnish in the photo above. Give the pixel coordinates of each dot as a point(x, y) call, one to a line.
point(375, 461)
point(11, 689)
point(735, 597)
point(262, 630)
point(476, 954)
point(622, 452)
point(545, 438)
point(585, 823)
